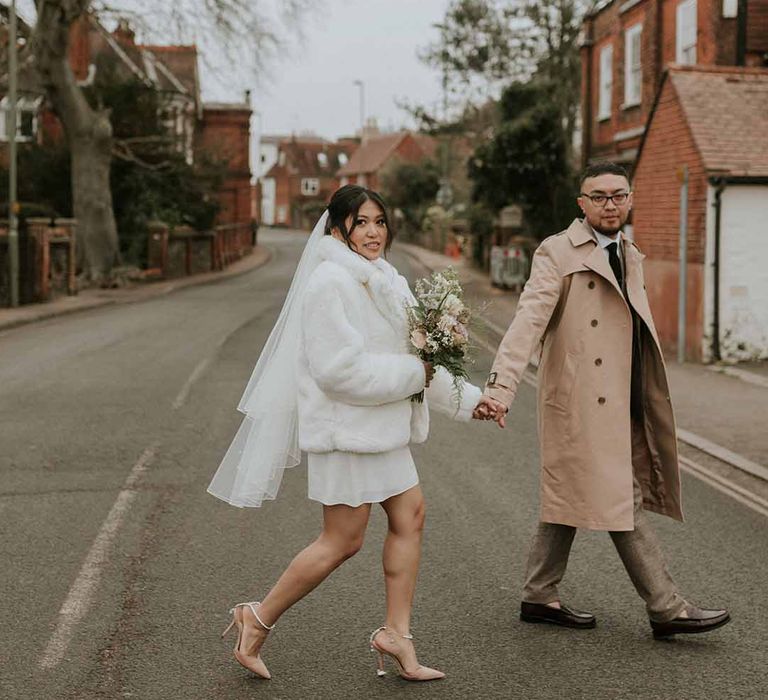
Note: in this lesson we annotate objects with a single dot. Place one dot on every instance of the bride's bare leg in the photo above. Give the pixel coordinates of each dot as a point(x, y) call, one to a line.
point(402, 552)
point(342, 536)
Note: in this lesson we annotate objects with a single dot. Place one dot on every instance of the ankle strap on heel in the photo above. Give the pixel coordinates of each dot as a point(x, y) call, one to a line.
point(382, 629)
point(251, 605)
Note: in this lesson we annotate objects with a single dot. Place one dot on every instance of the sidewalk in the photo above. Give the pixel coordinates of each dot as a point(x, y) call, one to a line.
point(724, 406)
point(93, 298)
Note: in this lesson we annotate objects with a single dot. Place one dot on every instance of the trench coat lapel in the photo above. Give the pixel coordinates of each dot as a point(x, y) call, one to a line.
point(633, 260)
point(596, 260)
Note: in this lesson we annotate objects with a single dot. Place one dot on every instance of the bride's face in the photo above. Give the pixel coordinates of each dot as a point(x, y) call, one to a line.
point(368, 232)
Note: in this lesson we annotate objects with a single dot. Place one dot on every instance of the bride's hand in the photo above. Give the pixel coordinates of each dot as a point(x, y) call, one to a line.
point(429, 370)
point(490, 409)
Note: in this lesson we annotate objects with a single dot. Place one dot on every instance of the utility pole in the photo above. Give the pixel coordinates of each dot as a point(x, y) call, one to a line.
point(13, 205)
point(445, 193)
point(360, 84)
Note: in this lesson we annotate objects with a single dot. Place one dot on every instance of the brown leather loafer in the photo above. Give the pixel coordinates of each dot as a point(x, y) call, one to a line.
point(562, 616)
point(698, 620)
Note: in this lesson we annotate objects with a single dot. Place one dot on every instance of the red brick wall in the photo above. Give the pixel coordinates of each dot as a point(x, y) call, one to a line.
point(224, 135)
point(79, 48)
point(716, 36)
point(668, 146)
point(757, 32)
point(608, 27)
point(716, 44)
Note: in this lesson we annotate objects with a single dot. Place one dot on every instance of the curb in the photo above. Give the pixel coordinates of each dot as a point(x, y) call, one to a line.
point(47, 310)
point(743, 374)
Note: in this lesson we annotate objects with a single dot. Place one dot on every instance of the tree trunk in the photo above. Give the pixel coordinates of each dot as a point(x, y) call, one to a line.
point(89, 134)
point(91, 154)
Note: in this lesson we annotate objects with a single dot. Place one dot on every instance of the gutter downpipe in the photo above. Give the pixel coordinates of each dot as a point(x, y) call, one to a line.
point(682, 294)
point(741, 33)
point(719, 184)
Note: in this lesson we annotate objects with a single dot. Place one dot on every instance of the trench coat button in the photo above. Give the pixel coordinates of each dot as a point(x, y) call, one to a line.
point(598, 361)
point(601, 400)
point(594, 322)
point(591, 284)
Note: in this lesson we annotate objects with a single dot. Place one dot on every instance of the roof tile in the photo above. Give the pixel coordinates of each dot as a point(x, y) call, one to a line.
point(727, 110)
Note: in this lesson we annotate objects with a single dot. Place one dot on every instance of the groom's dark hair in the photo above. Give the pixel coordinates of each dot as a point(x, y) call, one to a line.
point(346, 202)
point(603, 168)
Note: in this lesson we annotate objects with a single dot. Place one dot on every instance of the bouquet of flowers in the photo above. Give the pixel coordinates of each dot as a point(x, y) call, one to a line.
point(437, 324)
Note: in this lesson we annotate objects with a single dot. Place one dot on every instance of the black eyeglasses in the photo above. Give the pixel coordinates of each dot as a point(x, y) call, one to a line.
point(601, 200)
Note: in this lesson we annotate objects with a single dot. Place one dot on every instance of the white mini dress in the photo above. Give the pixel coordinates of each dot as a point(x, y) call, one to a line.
point(354, 478)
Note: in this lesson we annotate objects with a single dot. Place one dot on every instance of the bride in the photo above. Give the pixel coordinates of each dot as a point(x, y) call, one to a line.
point(335, 380)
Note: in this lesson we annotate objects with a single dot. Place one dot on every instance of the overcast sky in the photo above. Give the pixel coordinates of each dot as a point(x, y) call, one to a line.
point(311, 88)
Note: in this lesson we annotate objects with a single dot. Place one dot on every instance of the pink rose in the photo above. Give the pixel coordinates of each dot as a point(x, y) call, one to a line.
point(418, 339)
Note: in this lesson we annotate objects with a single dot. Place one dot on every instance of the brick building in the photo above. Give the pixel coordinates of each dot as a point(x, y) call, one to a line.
point(711, 122)
point(627, 45)
point(217, 130)
point(224, 131)
point(379, 151)
point(303, 178)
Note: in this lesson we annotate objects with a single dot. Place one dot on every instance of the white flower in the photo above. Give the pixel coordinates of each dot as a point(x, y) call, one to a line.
point(452, 305)
point(446, 323)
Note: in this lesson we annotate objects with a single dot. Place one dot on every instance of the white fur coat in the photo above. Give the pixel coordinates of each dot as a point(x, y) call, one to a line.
point(356, 374)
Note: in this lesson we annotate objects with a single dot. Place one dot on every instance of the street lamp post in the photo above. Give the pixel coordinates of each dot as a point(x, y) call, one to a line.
point(13, 221)
point(444, 195)
point(361, 85)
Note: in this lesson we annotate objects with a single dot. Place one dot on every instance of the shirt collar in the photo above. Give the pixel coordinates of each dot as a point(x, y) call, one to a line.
point(604, 241)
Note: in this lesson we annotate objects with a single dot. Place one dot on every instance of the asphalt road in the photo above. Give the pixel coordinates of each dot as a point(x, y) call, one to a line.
point(118, 568)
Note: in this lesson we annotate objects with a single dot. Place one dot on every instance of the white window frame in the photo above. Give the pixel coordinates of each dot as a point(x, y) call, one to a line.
point(24, 104)
point(605, 82)
point(686, 33)
point(310, 186)
point(730, 9)
point(633, 66)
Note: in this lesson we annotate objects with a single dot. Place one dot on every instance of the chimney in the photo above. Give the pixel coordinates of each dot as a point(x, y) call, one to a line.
point(124, 33)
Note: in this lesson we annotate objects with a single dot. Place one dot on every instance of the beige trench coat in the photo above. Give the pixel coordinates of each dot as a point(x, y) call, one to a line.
point(587, 441)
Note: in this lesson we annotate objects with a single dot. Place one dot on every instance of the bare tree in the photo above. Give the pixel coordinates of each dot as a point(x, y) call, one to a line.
point(240, 27)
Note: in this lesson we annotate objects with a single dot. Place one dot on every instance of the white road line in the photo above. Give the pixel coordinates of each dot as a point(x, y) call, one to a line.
point(759, 505)
point(528, 377)
point(81, 593)
point(196, 374)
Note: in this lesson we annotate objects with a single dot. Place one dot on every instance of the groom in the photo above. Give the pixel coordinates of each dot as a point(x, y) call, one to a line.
point(606, 427)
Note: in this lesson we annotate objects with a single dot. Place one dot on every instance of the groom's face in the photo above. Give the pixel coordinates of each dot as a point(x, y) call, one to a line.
point(604, 214)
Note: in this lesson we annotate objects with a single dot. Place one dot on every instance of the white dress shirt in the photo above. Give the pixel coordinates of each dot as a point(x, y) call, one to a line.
point(604, 241)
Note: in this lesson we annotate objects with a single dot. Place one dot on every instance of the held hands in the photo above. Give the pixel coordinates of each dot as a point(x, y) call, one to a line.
point(429, 370)
point(490, 409)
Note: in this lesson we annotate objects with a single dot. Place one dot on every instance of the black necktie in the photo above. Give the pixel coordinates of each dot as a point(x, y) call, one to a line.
point(613, 258)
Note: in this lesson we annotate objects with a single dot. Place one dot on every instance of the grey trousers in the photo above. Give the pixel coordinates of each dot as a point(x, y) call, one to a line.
point(640, 553)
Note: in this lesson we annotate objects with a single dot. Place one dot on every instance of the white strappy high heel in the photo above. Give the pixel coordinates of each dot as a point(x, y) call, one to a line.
point(420, 673)
point(252, 663)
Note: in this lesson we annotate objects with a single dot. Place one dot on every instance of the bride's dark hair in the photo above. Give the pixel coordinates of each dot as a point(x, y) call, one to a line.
point(346, 202)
